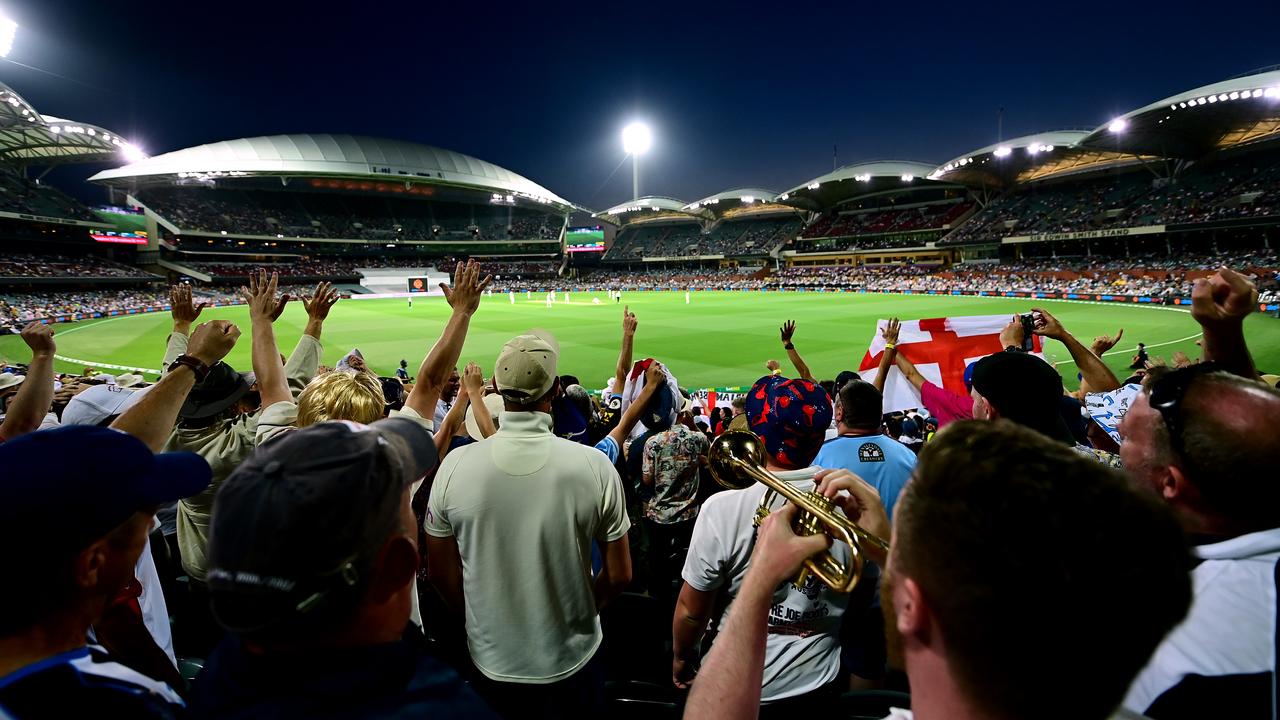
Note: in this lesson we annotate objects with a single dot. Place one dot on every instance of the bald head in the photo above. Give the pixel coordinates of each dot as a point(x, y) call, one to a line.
point(1220, 478)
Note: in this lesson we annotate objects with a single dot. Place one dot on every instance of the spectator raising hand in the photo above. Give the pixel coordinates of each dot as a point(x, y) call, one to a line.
point(1102, 344)
point(264, 308)
point(35, 395)
point(787, 332)
point(1220, 303)
point(318, 307)
point(464, 298)
point(183, 309)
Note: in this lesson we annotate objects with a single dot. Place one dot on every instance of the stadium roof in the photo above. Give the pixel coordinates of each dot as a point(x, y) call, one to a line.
point(857, 179)
point(738, 201)
point(650, 207)
point(1194, 123)
point(29, 138)
point(324, 155)
point(1027, 158)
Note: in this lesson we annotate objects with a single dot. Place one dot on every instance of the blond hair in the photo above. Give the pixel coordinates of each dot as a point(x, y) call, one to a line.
point(338, 395)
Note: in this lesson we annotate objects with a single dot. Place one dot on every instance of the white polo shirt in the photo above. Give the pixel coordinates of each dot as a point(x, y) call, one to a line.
point(1229, 634)
point(802, 648)
point(525, 507)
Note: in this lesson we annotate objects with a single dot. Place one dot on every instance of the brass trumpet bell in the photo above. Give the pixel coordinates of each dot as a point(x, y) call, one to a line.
point(737, 460)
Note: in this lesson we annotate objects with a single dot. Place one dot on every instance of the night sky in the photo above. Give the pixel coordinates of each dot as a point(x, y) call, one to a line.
point(739, 94)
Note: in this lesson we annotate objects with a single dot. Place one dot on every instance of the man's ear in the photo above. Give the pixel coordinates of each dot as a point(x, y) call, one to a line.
point(397, 568)
point(912, 612)
point(89, 564)
point(1175, 487)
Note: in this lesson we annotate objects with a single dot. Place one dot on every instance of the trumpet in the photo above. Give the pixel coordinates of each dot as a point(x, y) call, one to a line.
point(737, 460)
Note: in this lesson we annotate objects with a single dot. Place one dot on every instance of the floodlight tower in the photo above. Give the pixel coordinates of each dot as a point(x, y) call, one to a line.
point(636, 140)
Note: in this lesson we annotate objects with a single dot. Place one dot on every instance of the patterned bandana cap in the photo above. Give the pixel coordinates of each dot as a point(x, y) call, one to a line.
point(791, 416)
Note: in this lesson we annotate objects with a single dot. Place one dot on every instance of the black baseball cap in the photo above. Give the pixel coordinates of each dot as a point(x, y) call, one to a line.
point(298, 526)
point(845, 376)
point(1023, 389)
point(220, 389)
point(85, 481)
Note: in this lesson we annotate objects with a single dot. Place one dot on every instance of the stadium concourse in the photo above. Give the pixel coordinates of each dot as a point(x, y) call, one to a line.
point(183, 286)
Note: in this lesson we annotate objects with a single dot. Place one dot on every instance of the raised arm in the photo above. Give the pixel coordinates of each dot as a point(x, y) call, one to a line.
point(264, 308)
point(1220, 304)
point(728, 686)
point(152, 418)
point(909, 371)
point(654, 379)
point(35, 395)
point(318, 306)
point(787, 331)
point(890, 335)
point(1095, 375)
point(464, 298)
point(624, 355)
point(184, 313)
point(452, 422)
point(473, 383)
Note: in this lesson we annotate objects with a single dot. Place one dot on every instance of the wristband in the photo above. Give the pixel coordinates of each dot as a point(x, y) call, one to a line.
point(890, 346)
point(199, 368)
point(788, 346)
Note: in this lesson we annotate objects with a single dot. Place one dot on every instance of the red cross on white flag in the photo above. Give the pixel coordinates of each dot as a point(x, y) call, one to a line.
point(940, 348)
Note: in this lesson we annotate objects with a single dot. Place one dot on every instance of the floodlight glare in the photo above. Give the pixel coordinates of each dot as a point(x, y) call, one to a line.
point(8, 29)
point(1002, 151)
point(1118, 125)
point(636, 138)
point(132, 153)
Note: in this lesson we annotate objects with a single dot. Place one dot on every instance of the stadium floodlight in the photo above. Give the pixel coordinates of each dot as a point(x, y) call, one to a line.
point(1118, 125)
point(132, 152)
point(908, 177)
point(8, 30)
point(637, 138)
point(1002, 151)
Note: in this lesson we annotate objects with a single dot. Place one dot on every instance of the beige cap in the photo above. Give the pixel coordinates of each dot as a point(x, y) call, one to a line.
point(128, 380)
point(526, 367)
point(9, 380)
point(1271, 380)
point(493, 402)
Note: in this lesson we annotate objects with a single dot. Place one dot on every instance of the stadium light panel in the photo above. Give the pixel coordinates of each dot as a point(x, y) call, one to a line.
point(1235, 95)
point(1118, 125)
point(908, 177)
point(637, 138)
point(8, 30)
point(1002, 151)
point(132, 153)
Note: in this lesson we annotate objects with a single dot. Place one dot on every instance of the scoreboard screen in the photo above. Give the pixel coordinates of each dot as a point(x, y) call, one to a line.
point(584, 239)
point(419, 285)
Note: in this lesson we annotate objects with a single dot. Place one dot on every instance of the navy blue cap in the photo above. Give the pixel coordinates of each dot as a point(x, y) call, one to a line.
point(89, 480)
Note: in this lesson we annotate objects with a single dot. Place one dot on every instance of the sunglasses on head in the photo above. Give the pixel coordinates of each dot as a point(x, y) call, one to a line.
point(1166, 397)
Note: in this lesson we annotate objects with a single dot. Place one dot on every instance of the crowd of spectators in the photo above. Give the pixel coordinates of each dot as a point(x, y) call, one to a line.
point(317, 266)
point(1247, 187)
point(759, 236)
point(351, 545)
point(22, 195)
point(20, 307)
point(27, 265)
point(347, 216)
point(885, 220)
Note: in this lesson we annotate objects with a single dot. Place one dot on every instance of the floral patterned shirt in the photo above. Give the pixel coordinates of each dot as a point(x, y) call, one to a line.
point(670, 469)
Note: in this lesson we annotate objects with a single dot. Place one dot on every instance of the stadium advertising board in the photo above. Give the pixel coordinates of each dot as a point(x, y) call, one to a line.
point(419, 284)
point(1086, 234)
point(119, 238)
point(588, 239)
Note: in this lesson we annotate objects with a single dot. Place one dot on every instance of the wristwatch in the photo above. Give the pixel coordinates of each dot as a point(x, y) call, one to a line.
point(199, 368)
point(788, 346)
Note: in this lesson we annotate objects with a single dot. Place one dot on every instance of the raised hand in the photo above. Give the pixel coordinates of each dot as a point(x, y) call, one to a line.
point(181, 307)
point(859, 500)
point(1013, 334)
point(787, 330)
point(467, 288)
point(212, 341)
point(1224, 298)
point(1047, 325)
point(1103, 343)
point(654, 374)
point(39, 337)
point(473, 381)
point(321, 301)
point(891, 330)
point(261, 296)
point(1180, 360)
point(628, 321)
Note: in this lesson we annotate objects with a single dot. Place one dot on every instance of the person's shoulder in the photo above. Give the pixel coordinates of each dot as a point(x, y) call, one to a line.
point(92, 684)
point(436, 690)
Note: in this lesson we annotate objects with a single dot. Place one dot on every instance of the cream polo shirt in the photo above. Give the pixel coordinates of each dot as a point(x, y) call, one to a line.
point(525, 507)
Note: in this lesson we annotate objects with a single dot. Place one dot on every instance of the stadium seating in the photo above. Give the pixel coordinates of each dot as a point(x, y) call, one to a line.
point(17, 266)
point(1244, 187)
point(271, 213)
point(879, 227)
point(20, 195)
